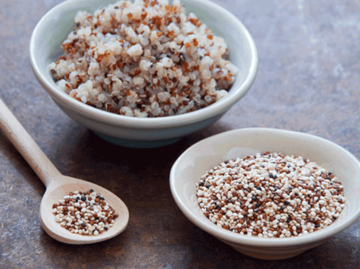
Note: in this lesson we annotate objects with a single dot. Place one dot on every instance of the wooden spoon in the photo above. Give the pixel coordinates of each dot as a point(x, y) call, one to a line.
point(57, 185)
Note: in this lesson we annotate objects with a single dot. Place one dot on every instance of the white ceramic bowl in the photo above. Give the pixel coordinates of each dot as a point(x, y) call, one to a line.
point(209, 152)
point(53, 28)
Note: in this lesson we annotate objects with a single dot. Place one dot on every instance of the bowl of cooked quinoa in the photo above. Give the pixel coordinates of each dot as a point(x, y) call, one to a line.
point(268, 193)
point(146, 72)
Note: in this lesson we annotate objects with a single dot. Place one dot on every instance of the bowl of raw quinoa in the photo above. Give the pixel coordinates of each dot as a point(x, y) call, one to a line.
point(268, 193)
point(143, 73)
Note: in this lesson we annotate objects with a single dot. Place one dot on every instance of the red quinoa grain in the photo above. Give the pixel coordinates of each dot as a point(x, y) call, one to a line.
point(84, 213)
point(270, 195)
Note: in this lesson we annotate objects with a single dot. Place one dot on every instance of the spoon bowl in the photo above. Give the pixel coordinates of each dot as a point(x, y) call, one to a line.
point(58, 185)
point(61, 187)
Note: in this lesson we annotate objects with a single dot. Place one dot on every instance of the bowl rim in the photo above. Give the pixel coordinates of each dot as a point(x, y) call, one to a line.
point(257, 241)
point(145, 123)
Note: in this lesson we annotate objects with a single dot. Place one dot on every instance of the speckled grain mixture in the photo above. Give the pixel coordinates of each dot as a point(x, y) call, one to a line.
point(270, 195)
point(144, 59)
point(84, 213)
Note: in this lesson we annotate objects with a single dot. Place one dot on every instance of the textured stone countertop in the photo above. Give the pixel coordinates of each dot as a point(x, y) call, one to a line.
point(308, 81)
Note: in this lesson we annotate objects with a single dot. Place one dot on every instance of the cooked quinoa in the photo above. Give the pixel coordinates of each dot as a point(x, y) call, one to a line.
point(143, 59)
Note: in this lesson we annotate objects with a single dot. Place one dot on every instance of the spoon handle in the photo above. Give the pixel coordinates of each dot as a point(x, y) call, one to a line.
point(23, 142)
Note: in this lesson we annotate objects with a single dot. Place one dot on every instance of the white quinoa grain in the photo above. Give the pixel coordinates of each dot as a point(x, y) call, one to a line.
point(270, 195)
point(74, 210)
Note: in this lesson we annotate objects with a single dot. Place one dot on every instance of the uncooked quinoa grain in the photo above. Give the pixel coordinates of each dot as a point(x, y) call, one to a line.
point(270, 195)
point(145, 58)
point(84, 213)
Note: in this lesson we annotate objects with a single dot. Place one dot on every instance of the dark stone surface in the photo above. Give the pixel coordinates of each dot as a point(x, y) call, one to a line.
point(307, 81)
